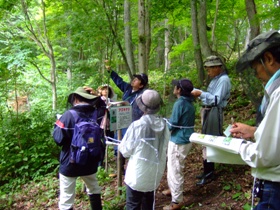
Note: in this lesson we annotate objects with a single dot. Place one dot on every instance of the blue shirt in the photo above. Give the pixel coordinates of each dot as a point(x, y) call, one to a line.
point(183, 114)
point(219, 86)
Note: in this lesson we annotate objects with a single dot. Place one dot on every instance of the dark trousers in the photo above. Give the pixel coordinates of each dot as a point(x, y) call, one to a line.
point(270, 198)
point(136, 200)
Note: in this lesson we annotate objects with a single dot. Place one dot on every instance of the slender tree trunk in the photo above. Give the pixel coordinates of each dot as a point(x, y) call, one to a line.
point(166, 46)
point(43, 41)
point(128, 37)
point(253, 19)
point(205, 47)
point(147, 34)
point(115, 35)
point(52, 59)
point(160, 53)
point(69, 50)
point(197, 52)
point(141, 36)
point(213, 38)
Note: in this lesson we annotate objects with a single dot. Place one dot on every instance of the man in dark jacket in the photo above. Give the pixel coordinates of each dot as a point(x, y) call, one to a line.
point(130, 92)
point(85, 105)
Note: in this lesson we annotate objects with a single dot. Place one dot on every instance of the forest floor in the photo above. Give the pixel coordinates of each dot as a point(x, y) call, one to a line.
point(230, 189)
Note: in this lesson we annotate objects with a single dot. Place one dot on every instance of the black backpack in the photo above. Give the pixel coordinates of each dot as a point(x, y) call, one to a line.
point(86, 140)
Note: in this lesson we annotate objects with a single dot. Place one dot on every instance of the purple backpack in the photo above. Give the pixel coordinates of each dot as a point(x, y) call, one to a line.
point(86, 140)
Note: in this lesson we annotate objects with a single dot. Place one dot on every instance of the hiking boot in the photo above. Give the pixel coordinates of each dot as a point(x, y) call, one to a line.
point(200, 176)
point(206, 179)
point(166, 192)
point(173, 206)
point(95, 202)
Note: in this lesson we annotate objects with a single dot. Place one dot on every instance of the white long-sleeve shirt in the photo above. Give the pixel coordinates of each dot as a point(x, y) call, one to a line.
point(264, 155)
point(145, 143)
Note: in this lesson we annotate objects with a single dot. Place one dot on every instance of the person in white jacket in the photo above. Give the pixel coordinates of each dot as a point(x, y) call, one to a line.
point(145, 144)
point(263, 55)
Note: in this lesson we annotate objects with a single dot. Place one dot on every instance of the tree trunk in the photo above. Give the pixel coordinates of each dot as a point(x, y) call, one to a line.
point(43, 41)
point(141, 36)
point(128, 37)
point(213, 38)
point(160, 52)
point(205, 47)
point(197, 52)
point(253, 19)
point(147, 33)
point(115, 35)
point(166, 46)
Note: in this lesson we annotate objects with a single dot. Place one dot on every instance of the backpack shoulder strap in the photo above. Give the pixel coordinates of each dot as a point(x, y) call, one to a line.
point(75, 115)
point(92, 117)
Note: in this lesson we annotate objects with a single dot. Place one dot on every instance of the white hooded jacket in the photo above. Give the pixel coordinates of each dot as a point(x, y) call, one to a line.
point(145, 143)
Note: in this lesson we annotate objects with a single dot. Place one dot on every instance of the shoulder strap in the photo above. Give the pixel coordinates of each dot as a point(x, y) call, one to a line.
point(216, 101)
point(76, 116)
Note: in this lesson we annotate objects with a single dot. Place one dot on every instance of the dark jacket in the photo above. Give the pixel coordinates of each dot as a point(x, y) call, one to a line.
point(128, 95)
point(62, 134)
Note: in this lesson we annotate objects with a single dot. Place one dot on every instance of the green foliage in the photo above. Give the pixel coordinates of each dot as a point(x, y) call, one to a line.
point(103, 176)
point(81, 37)
point(113, 201)
point(247, 207)
point(235, 189)
point(28, 150)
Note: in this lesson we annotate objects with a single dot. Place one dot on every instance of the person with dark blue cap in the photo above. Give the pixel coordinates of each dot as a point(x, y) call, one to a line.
point(263, 56)
point(130, 92)
point(181, 126)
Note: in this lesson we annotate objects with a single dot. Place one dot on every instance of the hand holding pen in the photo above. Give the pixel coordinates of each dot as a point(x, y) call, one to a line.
point(241, 130)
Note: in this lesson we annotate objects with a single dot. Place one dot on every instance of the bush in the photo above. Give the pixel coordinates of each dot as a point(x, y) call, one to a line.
point(28, 149)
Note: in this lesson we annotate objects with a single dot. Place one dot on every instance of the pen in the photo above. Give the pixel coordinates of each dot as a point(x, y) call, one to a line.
point(232, 122)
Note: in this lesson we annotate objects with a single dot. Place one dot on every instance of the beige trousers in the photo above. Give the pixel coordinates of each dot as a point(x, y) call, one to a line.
point(176, 159)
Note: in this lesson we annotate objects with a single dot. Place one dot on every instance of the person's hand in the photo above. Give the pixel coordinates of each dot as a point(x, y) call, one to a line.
point(196, 92)
point(107, 66)
point(90, 90)
point(240, 130)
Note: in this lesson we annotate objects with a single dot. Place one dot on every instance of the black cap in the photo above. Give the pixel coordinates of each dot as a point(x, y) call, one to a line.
point(143, 78)
point(185, 84)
